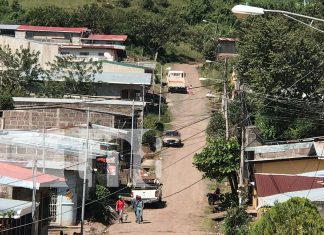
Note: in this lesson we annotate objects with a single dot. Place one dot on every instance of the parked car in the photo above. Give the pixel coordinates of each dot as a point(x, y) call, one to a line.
point(171, 138)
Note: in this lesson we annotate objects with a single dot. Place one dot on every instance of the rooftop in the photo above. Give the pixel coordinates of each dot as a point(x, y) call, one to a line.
point(20, 208)
point(51, 29)
point(104, 37)
point(17, 176)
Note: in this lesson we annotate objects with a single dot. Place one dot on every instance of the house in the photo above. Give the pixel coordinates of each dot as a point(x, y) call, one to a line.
point(62, 154)
point(16, 204)
point(60, 41)
point(282, 170)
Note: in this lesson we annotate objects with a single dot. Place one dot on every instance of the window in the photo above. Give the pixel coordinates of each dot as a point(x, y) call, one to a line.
point(65, 52)
point(100, 54)
point(84, 53)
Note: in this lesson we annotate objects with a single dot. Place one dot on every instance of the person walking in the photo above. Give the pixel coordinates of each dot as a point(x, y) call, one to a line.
point(139, 206)
point(120, 206)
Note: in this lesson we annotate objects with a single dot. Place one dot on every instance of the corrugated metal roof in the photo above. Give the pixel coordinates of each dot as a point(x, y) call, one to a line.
point(20, 208)
point(315, 195)
point(75, 101)
point(17, 176)
point(279, 147)
point(117, 47)
point(9, 26)
point(124, 78)
point(51, 29)
point(105, 37)
point(272, 184)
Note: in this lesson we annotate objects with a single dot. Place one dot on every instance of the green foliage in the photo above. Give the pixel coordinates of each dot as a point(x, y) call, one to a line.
point(236, 221)
point(8, 214)
point(99, 209)
point(150, 121)
point(149, 138)
point(197, 10)
point(281, 61)
point(95, 16)
point(230, 200)
point(216, 126)
point(153, 32)
point(49, 16)
point(6, 101)
point(219, 159)
point(295, 216)
point(21, 72)
point(123, 3)
point(76, 76)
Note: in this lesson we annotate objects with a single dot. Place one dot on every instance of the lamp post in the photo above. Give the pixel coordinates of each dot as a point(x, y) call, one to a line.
point(243, 11)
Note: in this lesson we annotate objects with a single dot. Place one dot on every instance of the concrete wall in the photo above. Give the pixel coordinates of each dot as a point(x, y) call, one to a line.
point(48, 51)
point(93, 52)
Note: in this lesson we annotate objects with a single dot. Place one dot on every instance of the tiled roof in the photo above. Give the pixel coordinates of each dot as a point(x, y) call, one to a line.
point(51, 29)
point(103, 37)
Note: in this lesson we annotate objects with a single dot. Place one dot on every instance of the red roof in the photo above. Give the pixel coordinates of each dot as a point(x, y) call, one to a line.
point(18, 173)
point(268, 185)
point(51, 29)
point(103, 37)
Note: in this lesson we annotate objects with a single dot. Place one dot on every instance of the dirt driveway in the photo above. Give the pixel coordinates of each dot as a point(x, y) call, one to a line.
point(183, 188)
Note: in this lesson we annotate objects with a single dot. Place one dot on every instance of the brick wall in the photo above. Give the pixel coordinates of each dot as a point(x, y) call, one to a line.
point(51, 118)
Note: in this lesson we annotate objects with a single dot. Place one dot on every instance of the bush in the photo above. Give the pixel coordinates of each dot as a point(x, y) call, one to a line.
point(236, 221)
point(150, 139)
point(295, 216)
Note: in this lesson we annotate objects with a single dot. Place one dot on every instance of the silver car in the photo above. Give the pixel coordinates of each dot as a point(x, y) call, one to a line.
point(171, 138)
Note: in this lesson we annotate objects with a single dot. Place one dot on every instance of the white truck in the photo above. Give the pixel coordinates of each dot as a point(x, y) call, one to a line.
point(149, 190)
point(176, 81)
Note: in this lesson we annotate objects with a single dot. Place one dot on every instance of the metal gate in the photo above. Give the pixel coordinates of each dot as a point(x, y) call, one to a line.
point(53, 206)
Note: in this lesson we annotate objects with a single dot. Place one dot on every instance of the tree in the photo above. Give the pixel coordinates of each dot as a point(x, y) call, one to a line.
point(295, 216)
point(216, 126)
point(153, 32)
point(21, 71)
point(281, 61)
point(49, 16)
point(197, 10)
point(67, 75)
point(6, 101)
point(220, 159)
point(95, 16)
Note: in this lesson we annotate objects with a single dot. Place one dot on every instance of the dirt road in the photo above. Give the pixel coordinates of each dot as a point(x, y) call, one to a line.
point(183, 188)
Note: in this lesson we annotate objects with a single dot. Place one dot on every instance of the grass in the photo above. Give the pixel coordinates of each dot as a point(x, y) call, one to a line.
point(59, 3)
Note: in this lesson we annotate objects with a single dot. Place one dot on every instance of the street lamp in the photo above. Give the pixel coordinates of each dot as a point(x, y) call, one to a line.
point(243, 11)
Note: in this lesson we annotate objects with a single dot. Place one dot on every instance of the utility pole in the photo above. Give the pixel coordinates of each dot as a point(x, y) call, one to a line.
point(43, 149)
point(160, 97)
point(241, 173)
point(142, 117)
point(225, 102)
point(132, 143)
point(34, 217)
point(85, 173)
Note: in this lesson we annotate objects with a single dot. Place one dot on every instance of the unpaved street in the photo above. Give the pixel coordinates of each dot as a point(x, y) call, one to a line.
point(183, 190)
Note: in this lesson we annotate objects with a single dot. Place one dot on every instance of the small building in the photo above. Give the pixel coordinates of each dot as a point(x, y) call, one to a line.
point(283, 170)
point(60, 41)
point(16, 192)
